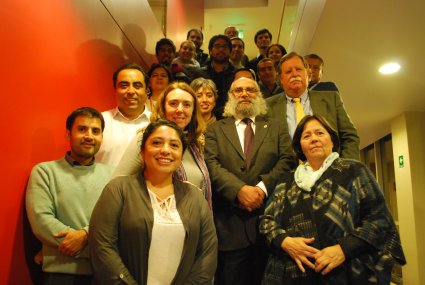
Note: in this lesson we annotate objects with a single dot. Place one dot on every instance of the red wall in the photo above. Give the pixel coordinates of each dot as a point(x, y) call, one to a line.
point(57, 56)
point(183, 15)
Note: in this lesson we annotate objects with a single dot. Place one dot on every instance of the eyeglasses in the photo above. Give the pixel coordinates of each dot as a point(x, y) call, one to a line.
point(249, 90)
point(218, 46)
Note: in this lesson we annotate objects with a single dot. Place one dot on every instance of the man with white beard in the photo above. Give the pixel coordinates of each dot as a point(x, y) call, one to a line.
point(246, 153)
point(293, 75)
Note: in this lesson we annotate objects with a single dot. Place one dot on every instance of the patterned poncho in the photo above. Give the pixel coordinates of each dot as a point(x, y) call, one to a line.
point(345, 206)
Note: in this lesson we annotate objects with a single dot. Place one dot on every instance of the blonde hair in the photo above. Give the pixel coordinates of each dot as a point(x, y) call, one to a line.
point(192, 45)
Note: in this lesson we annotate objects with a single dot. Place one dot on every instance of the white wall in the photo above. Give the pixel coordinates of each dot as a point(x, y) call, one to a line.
point(249, 19)
point(408, 138)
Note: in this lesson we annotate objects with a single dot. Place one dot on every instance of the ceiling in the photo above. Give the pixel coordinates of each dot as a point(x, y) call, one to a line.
point(354, 38)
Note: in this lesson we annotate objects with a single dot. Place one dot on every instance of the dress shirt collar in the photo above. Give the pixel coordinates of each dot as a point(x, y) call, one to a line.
point(303, 97)
point(73, 162)
point(238, 121)
point(117, 113)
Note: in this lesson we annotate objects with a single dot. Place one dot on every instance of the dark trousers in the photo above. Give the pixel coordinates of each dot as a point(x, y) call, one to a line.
point(66, 279)
point(241, 267)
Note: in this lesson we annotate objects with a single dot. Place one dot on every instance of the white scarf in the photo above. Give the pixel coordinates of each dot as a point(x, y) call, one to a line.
point(305, 176)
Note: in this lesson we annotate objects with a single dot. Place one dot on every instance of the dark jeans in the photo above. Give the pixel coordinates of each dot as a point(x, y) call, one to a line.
point(66, 279)
point(241, 267)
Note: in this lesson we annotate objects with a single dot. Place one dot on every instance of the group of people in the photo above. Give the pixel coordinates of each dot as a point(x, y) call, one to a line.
point(213, 178)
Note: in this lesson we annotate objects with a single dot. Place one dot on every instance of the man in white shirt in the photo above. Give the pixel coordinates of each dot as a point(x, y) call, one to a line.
point(130, 115)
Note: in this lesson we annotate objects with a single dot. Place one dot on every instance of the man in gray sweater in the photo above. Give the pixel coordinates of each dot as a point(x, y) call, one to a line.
point(60, 198)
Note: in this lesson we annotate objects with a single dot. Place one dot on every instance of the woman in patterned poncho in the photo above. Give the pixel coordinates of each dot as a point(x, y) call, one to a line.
point(327, 222)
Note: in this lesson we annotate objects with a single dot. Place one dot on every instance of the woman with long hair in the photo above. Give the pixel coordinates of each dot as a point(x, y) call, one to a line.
point(178, 104)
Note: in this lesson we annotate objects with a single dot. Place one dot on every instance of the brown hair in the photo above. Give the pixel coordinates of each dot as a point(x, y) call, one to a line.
point(196, 127)
point(204, 83)
point(281, 47)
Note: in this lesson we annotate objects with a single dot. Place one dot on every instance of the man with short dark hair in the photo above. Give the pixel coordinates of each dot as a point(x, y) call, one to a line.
point(219, 70)
point(237, 56)
point(246, 153)
point(262, 39)
point(267, 77)
point(315, 64)
point(165, 51)
point(294, 79)
point(130, 115)
point(197, 37)
point(60, 197)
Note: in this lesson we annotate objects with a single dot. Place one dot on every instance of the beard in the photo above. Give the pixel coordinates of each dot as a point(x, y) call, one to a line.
point(234, 108)
point(245, 110)
point(221, 58)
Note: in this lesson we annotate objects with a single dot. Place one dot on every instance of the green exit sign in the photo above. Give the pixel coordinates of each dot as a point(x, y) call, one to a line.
point(401, 161)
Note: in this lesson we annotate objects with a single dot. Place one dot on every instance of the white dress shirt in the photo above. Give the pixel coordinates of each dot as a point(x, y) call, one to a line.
point(118, 133)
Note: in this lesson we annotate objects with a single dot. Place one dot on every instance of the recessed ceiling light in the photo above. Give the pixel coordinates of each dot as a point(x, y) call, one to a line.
point(389, 68)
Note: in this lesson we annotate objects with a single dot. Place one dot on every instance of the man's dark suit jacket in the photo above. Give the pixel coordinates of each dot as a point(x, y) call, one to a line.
point(272, 157)
point(329, 105)
point(325, 86)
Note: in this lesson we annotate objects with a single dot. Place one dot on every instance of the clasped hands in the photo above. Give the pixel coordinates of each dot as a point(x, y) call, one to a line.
point(250, 197)
point(71, 245)
point(325, 260)
point(73, 241)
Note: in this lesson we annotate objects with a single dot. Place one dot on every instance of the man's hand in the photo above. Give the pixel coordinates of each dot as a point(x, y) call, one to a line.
point(73, 241)
point(329, 258)
point(38, 258)
point(299, 250)
point(250, 197)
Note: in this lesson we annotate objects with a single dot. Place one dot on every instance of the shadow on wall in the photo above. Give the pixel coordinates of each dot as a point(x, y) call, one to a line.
point(31, 247)
point(134, 46)
point(25, 244)
point(108, 58)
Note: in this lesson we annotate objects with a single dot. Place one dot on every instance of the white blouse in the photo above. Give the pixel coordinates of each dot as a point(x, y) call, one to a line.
point(167, 242)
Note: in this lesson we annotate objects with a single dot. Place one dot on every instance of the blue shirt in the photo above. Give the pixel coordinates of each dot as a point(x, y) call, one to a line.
point(290, 111)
